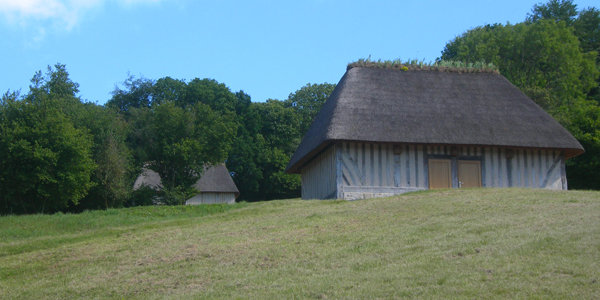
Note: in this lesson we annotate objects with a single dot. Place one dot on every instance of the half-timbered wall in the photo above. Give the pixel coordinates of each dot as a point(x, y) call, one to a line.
point(543, 169)
point(211, 198)
point(379, 170)
point(319, 176)
point(505, 167)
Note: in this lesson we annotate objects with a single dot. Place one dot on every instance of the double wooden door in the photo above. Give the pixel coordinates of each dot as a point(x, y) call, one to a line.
point(440, 173)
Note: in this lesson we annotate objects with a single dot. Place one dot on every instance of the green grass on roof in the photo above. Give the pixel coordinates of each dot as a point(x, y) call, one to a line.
point(421, 65)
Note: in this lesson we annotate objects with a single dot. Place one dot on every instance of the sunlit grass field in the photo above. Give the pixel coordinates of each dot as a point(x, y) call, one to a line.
point(449, 244)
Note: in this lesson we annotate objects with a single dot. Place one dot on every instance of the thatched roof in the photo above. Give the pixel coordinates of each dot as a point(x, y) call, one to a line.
point(429, 107)
point(215, 179)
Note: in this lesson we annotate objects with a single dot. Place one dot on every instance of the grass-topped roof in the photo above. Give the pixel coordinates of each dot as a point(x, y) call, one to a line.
point(388, 105)
point(417, 65)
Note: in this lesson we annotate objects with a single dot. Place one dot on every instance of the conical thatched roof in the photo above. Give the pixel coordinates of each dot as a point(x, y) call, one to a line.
point(430, 107)
point(215, 179)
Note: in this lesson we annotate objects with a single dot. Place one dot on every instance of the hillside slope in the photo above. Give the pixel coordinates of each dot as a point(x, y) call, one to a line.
point(452, 244)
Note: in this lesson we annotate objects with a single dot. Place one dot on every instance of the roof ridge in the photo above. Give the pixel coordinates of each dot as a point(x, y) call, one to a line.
point(416, 65)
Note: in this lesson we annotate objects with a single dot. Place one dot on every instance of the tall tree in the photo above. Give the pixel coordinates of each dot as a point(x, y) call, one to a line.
point(112, 176)
point(543, 55)
point(135, 93)
point(107, 131)
point(262, 149)
point(47, 162)
point(307, 102)
point(268, 136)
point(587, 29)
point(177, 128)
point(246, 159)
point(558, 10)
point(550, 63)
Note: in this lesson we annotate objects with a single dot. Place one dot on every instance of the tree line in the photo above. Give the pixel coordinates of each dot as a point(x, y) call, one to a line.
point(61, 153)
point(552, 56)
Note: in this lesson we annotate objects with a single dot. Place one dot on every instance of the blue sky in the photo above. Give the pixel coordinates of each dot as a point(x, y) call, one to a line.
point(267, 48)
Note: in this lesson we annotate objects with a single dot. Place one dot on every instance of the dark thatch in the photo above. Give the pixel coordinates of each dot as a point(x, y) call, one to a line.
point(215, 179)
point(431, 108)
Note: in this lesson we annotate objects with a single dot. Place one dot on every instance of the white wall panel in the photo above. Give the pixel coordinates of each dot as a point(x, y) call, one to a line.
point(319, 176)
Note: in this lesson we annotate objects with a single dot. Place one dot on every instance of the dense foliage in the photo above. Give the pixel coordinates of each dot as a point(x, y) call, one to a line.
point(177, 128)
point(553, 58)
point(61, 153)
point(65, 154)
point(267, 138)
point(52, 156)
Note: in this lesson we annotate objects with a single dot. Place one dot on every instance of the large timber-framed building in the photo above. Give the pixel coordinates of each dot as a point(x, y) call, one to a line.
point(384, 132)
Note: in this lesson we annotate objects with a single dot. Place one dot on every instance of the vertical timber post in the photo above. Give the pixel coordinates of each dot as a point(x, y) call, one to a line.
point(397, 164)
point(339, 172)
point(563, 172)
point(510, 153)
point(454, 172)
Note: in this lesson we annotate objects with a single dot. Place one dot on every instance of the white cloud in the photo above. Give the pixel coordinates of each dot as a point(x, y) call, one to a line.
point(63, 14)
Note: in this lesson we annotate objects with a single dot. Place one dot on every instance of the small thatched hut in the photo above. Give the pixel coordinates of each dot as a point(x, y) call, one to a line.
point(215, 185)
point(384, 132)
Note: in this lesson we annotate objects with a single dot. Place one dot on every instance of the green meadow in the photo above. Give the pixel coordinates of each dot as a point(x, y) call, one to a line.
point(448, 244)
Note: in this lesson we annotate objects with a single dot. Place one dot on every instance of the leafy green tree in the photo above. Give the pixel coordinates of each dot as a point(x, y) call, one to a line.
point(143, 92)
point(46, 163)
point(178, 143)
point(247, 156)
point(265, 142)
point(558, 10)
point(177, 128)
point(53, 97)
point(113, 175)
point(550, 58)
point(583, 169)
point(268, 136)
point(307, 102)
point(136, 93)
point(542, 56)
point(587, 29)
point(212, 93)
point(267, 133)
point(280, 130)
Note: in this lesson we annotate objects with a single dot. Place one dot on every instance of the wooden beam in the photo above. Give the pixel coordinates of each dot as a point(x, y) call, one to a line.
point(563, 172)
point(379, 189)
point(551, 170)
point(397, 170)
point(483, 168)
point(397, 149)
point(339, 172)
point(509, 170)
point(425, 168)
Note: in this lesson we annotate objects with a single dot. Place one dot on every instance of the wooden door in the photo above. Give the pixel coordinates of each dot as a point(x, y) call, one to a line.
point(440, 174)
point(469, 173)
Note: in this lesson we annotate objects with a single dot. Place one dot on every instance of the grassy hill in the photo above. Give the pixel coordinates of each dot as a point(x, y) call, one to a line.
point(451, 244)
